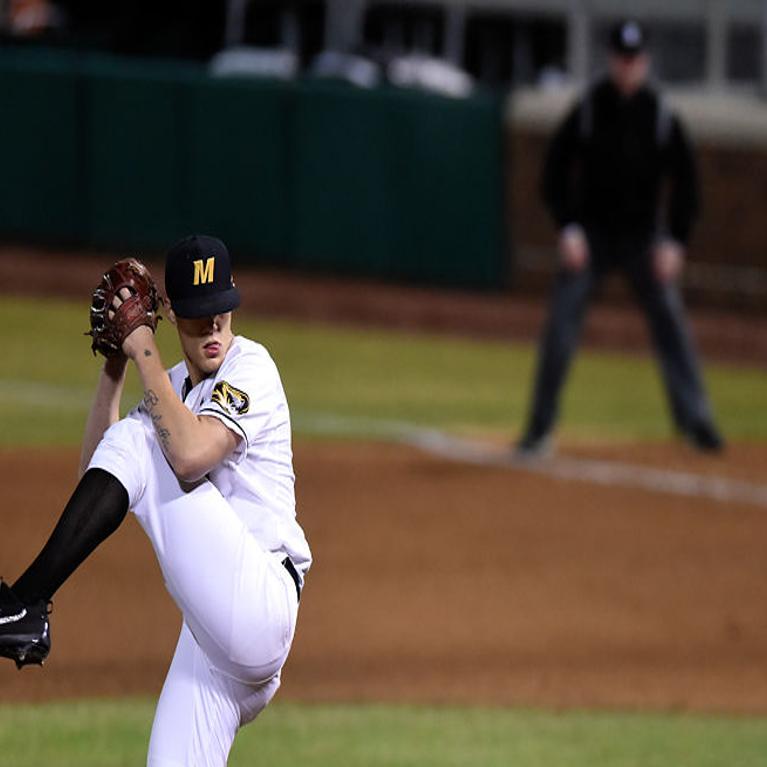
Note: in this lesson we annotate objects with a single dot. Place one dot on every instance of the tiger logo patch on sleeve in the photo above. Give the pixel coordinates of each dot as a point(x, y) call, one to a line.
point(230, 398)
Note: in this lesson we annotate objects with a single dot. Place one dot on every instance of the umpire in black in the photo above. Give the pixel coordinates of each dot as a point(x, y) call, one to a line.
point(620, 182)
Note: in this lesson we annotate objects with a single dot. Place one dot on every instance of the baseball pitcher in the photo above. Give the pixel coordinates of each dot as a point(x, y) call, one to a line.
point(205, 464)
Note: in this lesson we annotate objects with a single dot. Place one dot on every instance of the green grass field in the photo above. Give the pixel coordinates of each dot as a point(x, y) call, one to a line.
point(358, 381)
point(115, 733)
point(354, 382)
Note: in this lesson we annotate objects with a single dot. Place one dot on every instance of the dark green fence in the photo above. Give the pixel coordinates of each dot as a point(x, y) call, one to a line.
point(42, 184)
point(132, 154)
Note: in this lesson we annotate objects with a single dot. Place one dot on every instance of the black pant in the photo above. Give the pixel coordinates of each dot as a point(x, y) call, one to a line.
point(663, 309)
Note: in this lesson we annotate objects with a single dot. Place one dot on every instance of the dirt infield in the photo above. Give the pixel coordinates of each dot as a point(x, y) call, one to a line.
point(440, 582)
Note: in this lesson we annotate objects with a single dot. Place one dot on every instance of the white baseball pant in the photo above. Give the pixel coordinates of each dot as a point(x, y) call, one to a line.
point(238, 602)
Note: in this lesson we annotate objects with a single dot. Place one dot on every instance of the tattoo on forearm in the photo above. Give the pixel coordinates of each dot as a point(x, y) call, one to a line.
point(162, 434)
point(151, 400)
point(147, 353)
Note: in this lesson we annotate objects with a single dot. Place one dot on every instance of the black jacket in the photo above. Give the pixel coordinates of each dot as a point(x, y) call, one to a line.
point(608, 161)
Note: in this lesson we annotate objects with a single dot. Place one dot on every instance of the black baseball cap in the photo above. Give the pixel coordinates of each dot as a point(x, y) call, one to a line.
point(628, 38)
point(198, 277)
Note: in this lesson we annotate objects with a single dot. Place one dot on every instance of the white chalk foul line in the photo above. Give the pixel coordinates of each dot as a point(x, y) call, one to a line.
point(600, 472)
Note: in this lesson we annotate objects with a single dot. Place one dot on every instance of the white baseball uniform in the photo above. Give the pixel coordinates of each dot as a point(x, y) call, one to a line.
point(220, 543)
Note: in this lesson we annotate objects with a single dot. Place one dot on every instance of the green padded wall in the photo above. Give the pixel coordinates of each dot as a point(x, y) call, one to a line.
point(237, 177)
point(131, 154)
point(343, 180)
point(393, 183)
point(135, 118)
point(453, 190)
point(41, 194)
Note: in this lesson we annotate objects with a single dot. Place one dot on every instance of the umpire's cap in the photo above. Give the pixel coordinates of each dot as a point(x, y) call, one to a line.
point(628, 38)
point(198, 277)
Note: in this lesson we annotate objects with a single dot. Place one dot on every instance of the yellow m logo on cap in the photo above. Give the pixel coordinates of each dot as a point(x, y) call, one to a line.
point(203, 272)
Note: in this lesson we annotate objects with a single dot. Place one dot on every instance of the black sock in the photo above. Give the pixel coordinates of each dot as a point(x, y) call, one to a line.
point(95, 510)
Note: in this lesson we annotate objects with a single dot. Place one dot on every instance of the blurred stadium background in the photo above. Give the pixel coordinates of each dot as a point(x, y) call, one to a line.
point(378, 163)
point(397, 140)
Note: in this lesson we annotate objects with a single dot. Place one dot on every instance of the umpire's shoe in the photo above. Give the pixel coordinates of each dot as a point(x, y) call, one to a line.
point(25, 635)
point(704, 436)
point(533, 447)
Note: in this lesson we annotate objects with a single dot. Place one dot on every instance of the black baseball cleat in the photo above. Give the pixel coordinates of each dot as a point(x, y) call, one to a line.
point(25, 635)
point(703, 436)
point(533, 447)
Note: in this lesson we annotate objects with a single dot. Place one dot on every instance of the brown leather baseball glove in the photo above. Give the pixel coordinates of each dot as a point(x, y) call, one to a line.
point(125, 299)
